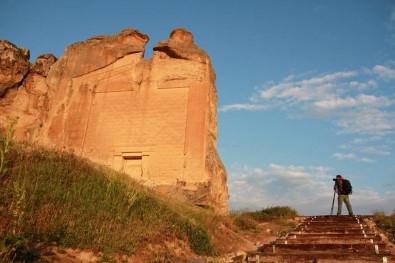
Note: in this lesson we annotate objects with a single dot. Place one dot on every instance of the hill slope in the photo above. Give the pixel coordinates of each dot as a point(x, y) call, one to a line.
point(55, 205)
point(49, 197)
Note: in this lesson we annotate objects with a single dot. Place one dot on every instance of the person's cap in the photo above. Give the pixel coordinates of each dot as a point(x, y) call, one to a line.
point(338, 176)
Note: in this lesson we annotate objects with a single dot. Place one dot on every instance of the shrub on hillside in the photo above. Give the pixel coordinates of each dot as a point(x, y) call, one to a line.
point(387, 223)
point(245, 222)
point(274, 213)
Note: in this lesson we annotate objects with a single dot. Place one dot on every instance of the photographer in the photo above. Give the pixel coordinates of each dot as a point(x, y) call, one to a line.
point(343, 191)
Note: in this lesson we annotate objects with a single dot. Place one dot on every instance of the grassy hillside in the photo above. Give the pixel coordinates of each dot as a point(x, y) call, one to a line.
point(57, 198)
point(49, 197)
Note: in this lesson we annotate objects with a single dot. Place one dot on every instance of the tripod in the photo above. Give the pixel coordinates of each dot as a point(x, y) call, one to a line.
point(333, 201)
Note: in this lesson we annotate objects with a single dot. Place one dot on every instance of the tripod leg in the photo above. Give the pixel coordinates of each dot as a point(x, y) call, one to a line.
point(333, 201)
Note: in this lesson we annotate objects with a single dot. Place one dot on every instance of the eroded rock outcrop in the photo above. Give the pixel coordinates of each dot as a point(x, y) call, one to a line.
point(14, 65)
point(154, 119)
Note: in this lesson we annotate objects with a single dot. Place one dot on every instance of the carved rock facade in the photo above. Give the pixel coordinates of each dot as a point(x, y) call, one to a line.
point(154, 119)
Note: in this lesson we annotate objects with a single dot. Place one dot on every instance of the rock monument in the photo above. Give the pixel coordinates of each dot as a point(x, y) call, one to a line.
point(154, 119)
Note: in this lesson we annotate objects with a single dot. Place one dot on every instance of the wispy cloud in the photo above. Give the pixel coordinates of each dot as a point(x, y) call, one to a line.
point(240, 106)
point(367, 121)
point(384, 72)
point(357, 101)
point(352, 156)
point(363, 100)
point(375, 151)
point(307, 89)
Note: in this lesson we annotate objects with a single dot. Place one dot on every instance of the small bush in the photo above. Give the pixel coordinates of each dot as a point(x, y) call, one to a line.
point(198, 239)
point(245, 222)
point(274, 213)
point(387, 223)
point(197, 236)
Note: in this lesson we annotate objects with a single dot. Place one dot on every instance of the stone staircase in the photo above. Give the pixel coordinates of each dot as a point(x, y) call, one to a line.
point(326, 239)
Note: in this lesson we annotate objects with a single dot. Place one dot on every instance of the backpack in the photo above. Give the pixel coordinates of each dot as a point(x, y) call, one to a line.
point(346, 187)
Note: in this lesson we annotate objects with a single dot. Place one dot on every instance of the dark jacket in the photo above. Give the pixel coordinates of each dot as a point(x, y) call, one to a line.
point(339, 186)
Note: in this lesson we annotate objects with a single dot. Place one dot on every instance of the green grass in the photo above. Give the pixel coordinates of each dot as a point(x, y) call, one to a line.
point(53, 197)
point(249, 220)
point(244, 221)
point(387, 223)
point(274, 213)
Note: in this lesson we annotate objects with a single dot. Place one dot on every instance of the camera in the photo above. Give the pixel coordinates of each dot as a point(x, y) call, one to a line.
point(334, 179)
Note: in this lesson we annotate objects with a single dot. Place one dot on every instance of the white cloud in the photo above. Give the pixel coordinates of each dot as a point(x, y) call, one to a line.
point(337, 95)
point(367, 200)
point(369, 121)
point(306, 89)
point(278, 185)
point(364, 85)
point(384, 72)
point(352, 156)
point(319, 95)
point(342, 156)
point(374, 150)
point(363, 146)
point(307, 189)
point(352, 102)
point(328, 78)
point(358, 103)
point(365, 140)
point(239, 106)
point(288, 171)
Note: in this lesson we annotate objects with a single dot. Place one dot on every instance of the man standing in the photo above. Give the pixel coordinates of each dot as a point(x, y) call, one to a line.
point(342, 195)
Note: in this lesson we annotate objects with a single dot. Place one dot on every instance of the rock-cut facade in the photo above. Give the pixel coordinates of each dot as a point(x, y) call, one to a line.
point(154, 119)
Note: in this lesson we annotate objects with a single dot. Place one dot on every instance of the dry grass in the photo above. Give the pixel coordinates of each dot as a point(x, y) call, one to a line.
point(51, 197)
point(387, 223)
point(58, 198)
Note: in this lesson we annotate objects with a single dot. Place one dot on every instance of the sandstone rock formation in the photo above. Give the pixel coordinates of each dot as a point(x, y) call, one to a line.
point(14, 65)
point(154, 119)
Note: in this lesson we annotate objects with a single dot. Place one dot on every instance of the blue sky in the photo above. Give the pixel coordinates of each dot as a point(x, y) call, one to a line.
point(306, 88)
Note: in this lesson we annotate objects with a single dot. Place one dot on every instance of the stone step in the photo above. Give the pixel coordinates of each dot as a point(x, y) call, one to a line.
point(334, 231)
point(335, 218)
point(343, 225)
point(322, 223)
point(344, 240)
point(331, 235)
point(326, 239)
point(332, 248)
point(334, 222)
point(332, 228)
point(303, 257)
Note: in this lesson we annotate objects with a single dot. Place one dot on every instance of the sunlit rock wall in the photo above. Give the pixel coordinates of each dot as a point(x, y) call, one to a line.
point(154, 119)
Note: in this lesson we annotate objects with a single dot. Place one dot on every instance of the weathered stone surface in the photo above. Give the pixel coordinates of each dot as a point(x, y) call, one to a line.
point(181, 45)
point(43, 64)
point(14, 65)
point(327, 239)
point(154, 119)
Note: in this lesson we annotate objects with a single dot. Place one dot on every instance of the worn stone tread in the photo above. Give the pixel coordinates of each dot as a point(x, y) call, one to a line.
point(326, 239)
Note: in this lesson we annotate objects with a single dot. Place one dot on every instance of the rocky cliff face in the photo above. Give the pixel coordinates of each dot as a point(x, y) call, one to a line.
point(154, 119)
